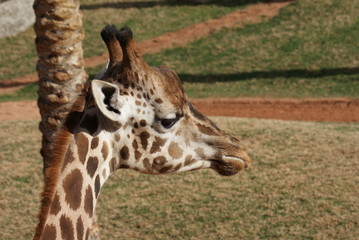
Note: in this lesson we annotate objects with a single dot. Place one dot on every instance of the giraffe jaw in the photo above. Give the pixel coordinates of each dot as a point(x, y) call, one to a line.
point(230, 165)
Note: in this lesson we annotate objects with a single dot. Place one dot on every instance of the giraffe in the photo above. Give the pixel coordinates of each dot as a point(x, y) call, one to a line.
point(130, 116)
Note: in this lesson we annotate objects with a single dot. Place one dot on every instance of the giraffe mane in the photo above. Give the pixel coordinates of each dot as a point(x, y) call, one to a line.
point(60, 146)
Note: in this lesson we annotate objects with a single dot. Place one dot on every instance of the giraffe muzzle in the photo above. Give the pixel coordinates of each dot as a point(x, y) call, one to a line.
point(230, 165)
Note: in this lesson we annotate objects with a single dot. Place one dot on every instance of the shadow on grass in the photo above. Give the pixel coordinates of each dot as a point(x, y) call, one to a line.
point(233, 77)
point(148, 4)
point(298, 73)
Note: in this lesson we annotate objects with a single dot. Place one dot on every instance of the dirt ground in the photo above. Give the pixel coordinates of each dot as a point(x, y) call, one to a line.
point(322, 110)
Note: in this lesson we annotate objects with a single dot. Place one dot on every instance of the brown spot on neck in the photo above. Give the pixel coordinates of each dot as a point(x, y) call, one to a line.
point(55, 205)
point(69, 158)
point(92, 165)
point(89, 201)
point(94, 142)
point(67, 228)
point(104, 150)
point(97, 186)
point(72, 186)
point(79, 229)
point(49, 232)
point(82, 144)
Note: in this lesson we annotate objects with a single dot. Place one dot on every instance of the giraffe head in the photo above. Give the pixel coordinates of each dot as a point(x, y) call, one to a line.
point(157, 129)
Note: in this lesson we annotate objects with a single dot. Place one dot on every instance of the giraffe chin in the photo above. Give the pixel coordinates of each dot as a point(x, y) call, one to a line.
point(229, 165)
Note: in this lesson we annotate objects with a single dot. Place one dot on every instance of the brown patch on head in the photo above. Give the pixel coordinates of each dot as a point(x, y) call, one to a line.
point(175, 151)
point(55, 205)
point(72, 186)
point(82, 144)
point(158, 100)
point(143, 123)
point(157, 144)
point(144, 139)
point(171, 86)
point(92, 164)
point(97, 185)
point(79, 229)
point(104, 150)
point(147, 165)
point(199, 151)
point(94, 142)
point(69, 158)
point(49, 232)
point(158, 162)
point(90, 123)
point(177, 167)
point(125, 166)
point(89, 201)
point(112, 165)
point(189, 160)
point(67, 229)
point(165, 169)
point(117, 137)
point(207, 130)
point(138, 103)
point(196, 113)
point(135, 144)
point(124, 153)
point(137, 155)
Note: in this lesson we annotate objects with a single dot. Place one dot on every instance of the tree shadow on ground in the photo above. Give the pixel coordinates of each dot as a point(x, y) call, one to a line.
point(243, 76)
point(294, 73)
point(148, 4)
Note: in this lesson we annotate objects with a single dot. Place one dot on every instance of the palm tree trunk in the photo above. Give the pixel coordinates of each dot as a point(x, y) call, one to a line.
point(60, 67)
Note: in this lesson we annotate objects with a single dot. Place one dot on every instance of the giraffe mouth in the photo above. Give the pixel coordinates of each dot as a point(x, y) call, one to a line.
point(230, 165)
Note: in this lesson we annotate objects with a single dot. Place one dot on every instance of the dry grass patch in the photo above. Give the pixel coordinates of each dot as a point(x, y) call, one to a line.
point(303, 185)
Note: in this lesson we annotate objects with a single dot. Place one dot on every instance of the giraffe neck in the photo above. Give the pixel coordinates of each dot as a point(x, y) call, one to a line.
point(82, 161)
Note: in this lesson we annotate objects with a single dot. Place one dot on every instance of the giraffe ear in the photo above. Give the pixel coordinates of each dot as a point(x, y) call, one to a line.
point(107, 99)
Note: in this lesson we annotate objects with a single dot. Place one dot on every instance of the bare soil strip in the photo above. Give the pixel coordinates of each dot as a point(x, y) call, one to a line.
point(321, 110)
point(252, 14)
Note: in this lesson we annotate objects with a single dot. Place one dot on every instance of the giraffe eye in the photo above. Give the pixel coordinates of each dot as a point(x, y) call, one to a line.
point(170, 120)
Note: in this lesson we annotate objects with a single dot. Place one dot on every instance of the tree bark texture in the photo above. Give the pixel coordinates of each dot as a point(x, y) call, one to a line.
point(60, 67)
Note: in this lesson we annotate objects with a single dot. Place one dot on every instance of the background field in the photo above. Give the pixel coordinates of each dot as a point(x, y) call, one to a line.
point(311, 49)
point(305, 176)
point(303, 185)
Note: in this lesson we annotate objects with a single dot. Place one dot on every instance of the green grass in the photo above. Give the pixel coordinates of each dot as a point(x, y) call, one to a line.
point(147, 18)
point(303, 185)
point(310, 49)
point(28, 92)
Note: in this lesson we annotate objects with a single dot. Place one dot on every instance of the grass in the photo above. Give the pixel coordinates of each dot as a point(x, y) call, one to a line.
point(308, 50)
point(303, 185)
point(147, 18)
